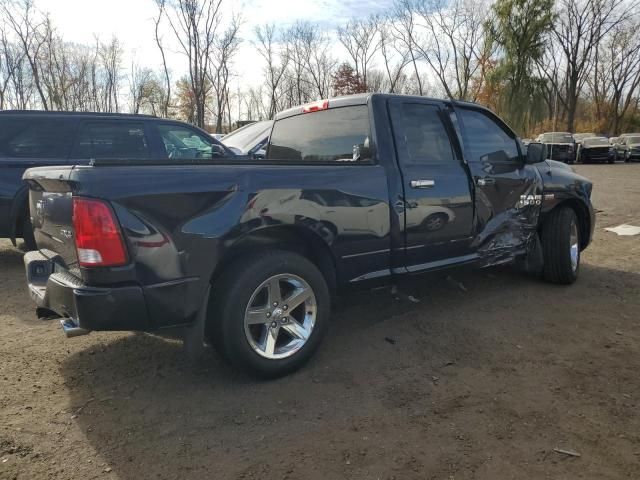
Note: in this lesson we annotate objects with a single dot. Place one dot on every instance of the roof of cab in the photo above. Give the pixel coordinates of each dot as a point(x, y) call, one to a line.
point(363, 99)
point(53, 113)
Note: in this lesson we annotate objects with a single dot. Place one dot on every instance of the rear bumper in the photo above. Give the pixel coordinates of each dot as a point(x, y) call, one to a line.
point(88, 308)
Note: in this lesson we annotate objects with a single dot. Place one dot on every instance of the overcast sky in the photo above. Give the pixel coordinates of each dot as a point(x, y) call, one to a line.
point(131, 21)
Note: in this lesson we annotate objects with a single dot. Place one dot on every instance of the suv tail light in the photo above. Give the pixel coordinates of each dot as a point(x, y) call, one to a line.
point(98, 238)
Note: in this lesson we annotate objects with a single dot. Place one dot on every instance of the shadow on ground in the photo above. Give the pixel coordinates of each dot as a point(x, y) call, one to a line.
point(402, 389)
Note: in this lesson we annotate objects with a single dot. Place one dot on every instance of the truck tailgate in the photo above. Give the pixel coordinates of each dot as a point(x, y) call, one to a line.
point(51, 207)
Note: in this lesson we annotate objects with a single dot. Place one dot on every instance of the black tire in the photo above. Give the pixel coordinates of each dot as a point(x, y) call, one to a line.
point(225, 327)
point(27, 234)
point(556, 246)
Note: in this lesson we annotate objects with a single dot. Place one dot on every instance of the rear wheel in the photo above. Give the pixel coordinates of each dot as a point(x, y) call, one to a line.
point(561, 246)
point(269, 313)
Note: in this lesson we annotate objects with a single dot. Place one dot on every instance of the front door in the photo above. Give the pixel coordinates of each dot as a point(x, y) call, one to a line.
point(508, 192)
point(438, 207)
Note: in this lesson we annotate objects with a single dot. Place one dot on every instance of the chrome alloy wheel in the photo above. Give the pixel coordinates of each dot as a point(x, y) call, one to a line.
point(280, 316)
point(574, 247)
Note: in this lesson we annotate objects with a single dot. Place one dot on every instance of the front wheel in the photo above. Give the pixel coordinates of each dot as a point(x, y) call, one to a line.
point(561, 246)
point(269, 313)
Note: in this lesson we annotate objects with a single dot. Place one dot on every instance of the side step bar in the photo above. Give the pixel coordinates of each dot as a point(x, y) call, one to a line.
point(71, 329)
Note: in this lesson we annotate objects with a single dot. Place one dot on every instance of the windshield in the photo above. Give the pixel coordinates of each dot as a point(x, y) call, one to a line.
point(633, 140)
point(247, 137)
point(557, 138)
point(593, 142)
point(582, 136)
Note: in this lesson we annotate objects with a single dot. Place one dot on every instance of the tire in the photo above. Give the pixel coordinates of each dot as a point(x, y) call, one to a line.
point(561, 246)
point(27, 234)
point(243, 339)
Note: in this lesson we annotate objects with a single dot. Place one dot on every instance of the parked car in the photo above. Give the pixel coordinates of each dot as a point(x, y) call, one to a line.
point(253, 265)
point(578, 138)
point(596, 149)
point(613, 140)
point(560, 146)
point(31, 139)
point(250, 139)
point(629, 148)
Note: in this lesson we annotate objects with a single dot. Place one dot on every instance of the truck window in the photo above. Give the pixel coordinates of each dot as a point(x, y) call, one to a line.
point(484, 139)
point(112, 140)
point(333, 135)
point(420, 135)
point(182, 142)
point(31, 137)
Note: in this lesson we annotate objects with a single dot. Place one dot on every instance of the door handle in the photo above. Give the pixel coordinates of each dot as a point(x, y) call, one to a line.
point(423, 183)
point(485, 181)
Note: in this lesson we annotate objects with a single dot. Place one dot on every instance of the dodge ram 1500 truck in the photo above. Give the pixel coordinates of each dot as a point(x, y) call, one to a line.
point(351, 191)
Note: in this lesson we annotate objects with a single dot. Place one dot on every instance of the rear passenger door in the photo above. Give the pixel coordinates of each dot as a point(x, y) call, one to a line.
point(112, 139)
point(438, 207)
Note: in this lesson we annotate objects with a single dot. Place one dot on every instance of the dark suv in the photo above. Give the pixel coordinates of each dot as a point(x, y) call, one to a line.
point(31, 139)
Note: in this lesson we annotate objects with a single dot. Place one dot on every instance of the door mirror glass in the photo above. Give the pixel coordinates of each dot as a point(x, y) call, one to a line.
point(535, 153)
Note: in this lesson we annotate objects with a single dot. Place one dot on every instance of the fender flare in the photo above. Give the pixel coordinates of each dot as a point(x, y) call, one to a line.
point(20, 202)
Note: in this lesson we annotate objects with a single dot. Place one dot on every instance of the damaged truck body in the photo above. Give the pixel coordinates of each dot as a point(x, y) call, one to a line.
point(352, 191)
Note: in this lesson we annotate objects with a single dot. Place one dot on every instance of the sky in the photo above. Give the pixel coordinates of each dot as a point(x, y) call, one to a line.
point(132, 22)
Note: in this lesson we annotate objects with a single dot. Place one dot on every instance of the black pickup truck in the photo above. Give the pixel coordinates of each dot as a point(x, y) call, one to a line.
point(352, 191)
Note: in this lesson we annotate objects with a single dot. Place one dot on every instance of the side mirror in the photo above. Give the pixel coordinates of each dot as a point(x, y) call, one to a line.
point(260, 154)
point(535, 153)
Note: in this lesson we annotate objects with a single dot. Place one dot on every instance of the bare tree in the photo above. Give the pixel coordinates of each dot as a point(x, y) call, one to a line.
point(164, 111)
point(21, 17)
point(111, 62)
point(276, 55)
point(140, 82)
point(452, 41)
point(225, 48)
point(360, 39)
point(623, 46)
point(319, 63)
point(195, 25)
point(580, 27)
point(404, 29)
point(395, 57)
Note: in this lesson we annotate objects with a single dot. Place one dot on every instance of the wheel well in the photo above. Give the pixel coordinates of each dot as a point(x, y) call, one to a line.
point(584, 220)
point(291, 239)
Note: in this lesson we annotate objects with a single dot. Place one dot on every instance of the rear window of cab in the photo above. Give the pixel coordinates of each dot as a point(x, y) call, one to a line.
point(333, 135)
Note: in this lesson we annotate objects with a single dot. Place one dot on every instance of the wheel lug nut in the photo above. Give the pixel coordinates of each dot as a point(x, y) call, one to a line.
point(285, 319)
point(285, 307)
point(268, 314)
point(275, 304)
point(274, 324)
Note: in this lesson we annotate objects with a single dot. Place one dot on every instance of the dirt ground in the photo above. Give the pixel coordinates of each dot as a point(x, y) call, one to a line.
point(476, 384)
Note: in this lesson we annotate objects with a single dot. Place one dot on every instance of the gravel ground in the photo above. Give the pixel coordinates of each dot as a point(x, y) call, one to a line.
point(476, 384)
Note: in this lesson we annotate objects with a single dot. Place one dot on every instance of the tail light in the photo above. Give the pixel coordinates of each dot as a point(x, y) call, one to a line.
point(98, 238)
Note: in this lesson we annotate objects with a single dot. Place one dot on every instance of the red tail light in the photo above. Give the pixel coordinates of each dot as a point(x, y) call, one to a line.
point(315, 106)
point(98, 238)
